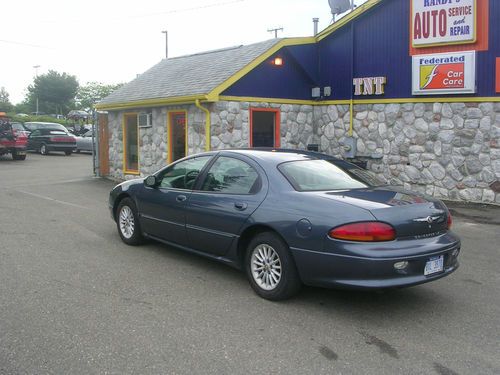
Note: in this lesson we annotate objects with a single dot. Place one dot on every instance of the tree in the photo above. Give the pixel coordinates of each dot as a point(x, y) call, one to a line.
point(55, 92)
point(91, 93)
point(5, 104)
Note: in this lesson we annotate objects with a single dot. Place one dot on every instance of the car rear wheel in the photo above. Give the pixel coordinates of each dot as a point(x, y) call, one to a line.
point(68, 153)
point(127, 222)
point(270, 268)
point(16, 156)
point(44, 150)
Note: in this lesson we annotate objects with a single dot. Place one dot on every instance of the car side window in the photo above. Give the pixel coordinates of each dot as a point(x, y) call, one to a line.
point(35, 133)
point(231, 176)
point(183, 174)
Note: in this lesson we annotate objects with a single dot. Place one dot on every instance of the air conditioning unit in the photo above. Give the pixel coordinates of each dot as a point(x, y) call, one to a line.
point(145, 119)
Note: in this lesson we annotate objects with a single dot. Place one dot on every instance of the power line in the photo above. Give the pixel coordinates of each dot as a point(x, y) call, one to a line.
point(26, 44)
point(189, 9)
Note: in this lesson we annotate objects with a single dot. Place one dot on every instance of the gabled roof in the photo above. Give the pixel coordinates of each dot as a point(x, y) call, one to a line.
point(188, 76)
point(205, 75)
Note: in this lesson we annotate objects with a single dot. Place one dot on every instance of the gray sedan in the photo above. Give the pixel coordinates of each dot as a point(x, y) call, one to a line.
point(290, 218)
point(85, 142)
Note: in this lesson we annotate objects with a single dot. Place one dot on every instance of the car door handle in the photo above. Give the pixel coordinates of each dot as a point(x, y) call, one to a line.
point(240, 206)
point(180, 198)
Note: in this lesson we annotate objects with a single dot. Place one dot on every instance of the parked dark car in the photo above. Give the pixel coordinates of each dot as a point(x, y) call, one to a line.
point(46, 140)
point(289, 218)
point(35, 125)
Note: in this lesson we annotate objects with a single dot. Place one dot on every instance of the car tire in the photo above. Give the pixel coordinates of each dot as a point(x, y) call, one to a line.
point(16, 156)
point(127, 222)
point(68, 153)
point(43, 149)
point(78, 151)
point(270, 267)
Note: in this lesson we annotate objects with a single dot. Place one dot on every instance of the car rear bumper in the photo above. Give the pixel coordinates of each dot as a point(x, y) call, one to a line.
point(352, 272)
point(67, 147)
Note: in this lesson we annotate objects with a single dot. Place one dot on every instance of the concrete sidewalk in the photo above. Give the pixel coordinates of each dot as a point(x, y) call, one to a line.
point(480, 213)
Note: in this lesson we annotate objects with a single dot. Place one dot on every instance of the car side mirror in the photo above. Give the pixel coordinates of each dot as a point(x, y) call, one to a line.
point(151, 181)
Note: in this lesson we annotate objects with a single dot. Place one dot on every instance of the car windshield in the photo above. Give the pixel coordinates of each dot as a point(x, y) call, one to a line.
point(322, 175)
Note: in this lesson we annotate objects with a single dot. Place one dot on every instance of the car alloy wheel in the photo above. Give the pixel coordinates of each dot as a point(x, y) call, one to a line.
point(266, 267)
point(43, 150)
point(126, 222)
point(270, 267)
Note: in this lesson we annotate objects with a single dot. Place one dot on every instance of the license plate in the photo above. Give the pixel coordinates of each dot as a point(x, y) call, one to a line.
point(434, 265)
point(21, 152)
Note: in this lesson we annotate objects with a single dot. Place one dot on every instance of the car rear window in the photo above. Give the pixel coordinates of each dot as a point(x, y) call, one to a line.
point(319, 175)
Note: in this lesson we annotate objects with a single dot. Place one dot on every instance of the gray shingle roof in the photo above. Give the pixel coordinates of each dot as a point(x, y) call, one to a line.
point(196, 74)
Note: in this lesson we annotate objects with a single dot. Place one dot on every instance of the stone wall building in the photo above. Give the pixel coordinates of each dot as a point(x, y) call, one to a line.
point(325, 92)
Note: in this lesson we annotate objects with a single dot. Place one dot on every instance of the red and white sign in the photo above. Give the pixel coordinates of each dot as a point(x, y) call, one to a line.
point(437, 22)
point(444, 73)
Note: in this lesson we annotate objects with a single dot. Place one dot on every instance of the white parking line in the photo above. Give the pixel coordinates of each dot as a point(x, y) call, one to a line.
point(52, 199)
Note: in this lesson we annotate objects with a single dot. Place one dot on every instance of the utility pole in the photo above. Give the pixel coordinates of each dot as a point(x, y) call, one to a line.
point(275, 31)
point(166, 43)
point(36, 76)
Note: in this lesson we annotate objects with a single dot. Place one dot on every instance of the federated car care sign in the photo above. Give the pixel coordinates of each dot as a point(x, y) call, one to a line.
point(444, 73)
point(437, 22)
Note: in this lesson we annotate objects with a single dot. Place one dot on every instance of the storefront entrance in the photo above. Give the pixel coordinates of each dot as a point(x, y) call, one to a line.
point(264, 127)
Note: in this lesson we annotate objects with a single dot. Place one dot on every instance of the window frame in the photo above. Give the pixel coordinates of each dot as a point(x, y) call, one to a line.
point(124, 141)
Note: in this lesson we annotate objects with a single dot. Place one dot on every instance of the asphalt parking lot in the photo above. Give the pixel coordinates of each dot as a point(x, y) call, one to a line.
point(75, 300)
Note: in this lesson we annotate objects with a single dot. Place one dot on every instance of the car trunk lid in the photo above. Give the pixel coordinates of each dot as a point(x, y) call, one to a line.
point(411, 214)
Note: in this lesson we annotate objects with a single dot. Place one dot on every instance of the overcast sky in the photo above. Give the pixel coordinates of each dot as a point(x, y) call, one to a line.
point(111, 41)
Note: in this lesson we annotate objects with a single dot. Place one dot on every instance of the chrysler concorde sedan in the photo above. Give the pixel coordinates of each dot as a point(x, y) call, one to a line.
point(290, 218)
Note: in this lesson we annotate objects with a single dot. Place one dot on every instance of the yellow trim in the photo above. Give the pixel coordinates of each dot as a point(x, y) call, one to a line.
point(346, 19)
point(351, 118)
point(274, 100)
point(380, 100)
point(169, 134)
point(444, 44)
point(256, 62)
point(124, 136)
point(151, 102)
point(208, 125)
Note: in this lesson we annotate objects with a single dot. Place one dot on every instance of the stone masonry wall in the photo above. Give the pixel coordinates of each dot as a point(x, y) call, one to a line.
point(447, 150)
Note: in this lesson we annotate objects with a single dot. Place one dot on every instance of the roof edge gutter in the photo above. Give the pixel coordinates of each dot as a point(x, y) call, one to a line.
point(208, 124)
point(151, 102)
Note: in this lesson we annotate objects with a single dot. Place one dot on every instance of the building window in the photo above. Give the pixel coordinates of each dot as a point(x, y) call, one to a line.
point(264, 127)
point(145, 119)
point(130, 144)
point(177, 135)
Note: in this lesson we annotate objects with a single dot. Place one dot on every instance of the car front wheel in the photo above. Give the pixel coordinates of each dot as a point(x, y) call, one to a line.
point(127, 221)
point(44, 150)
point(270, 268)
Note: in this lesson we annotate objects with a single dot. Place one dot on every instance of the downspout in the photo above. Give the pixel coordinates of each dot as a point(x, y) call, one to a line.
point(351, 106)
point(208, 124)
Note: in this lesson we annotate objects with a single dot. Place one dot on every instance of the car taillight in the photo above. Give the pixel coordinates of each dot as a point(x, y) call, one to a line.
point(370, 231)
point(449, 221)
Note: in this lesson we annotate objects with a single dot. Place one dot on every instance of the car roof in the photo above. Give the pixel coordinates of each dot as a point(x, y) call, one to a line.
point(43, 123)
point(279, 155)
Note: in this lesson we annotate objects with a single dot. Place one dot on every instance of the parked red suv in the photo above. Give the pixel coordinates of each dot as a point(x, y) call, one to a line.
point(12, 141)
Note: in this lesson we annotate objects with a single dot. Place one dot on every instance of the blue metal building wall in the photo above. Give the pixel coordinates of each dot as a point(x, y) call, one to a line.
point(293, 80)
point(380, 48)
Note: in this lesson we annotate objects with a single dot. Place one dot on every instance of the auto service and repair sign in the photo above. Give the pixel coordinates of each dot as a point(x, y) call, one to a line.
point(444, 73)
point(437, 22)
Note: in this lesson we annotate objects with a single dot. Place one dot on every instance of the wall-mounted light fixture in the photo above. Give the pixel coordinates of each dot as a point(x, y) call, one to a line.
point(278, 61)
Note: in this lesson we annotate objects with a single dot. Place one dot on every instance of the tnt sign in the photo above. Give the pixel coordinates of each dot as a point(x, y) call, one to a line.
point(445, 73)
point(437, 22)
